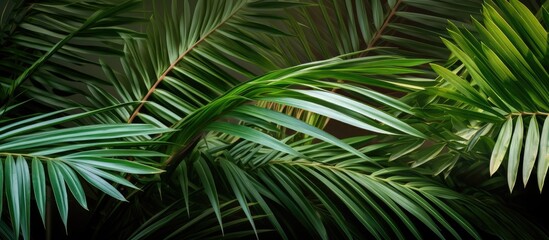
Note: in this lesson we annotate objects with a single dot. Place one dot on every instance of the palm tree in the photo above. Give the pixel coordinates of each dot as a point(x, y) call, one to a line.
point(215, 120)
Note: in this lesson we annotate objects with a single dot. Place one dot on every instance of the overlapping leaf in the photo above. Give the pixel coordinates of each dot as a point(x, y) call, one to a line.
point(276, 85)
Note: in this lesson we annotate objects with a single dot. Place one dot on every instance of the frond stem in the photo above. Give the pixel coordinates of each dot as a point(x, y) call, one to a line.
point(528, 114)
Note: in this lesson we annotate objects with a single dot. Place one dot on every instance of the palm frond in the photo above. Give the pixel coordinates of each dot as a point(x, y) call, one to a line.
point(279, 84)
point(213, 124)
point(323, 192)
point(195, 225)
point(406, 28)
point(36, 148)
point(190, 51)
point(333, 28)
point(504, 84)
point(39, 41)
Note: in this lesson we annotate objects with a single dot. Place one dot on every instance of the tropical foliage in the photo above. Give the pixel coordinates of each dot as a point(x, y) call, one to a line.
point(215, 119)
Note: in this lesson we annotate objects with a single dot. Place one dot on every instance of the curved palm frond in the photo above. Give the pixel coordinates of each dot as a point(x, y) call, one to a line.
point(334, 28)
point(286, 86)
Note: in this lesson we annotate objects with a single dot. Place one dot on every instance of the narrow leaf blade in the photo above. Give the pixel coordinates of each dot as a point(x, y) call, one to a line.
point(59, 191)
point(39, 187)
point(502, 143)
point(543, 158)
point(530, 150)
point(514, 153)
